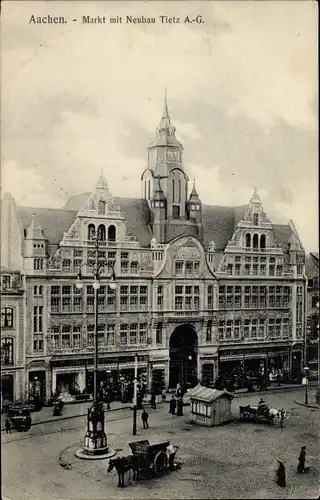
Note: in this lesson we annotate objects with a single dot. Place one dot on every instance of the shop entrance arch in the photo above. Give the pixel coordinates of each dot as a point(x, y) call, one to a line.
point(183, 350)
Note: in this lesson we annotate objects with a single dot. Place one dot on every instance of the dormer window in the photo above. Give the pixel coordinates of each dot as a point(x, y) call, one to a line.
point(5, 282)
point(256, 219)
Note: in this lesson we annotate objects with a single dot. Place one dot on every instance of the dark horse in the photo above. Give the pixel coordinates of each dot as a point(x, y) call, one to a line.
point(123, 465)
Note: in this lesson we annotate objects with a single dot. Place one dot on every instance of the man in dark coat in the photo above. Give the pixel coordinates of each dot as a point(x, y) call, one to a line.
point(172, 405)
point(153, 401)
point(180, 407)
point(282, 413)
point(144, 418)
point(8, 426)
point(281, 474)
point(302, 460)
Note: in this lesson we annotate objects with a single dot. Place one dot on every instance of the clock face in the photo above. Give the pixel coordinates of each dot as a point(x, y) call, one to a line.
point(173, 155)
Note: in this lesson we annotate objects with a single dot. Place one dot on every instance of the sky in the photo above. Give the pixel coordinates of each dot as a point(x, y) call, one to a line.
point(242, 93)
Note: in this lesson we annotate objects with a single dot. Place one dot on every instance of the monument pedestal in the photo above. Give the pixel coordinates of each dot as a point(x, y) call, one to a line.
point(95, 440)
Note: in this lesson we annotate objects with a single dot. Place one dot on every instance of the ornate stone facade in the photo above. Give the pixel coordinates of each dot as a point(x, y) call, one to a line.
point(231, 282)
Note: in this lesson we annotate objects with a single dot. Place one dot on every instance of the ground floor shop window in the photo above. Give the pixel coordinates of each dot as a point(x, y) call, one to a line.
point(7, 394)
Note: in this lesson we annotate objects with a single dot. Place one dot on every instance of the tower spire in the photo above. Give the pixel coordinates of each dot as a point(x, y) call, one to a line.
point(165, 113)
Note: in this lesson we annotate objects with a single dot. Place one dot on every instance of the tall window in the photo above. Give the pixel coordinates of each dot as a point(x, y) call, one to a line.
point(7, 351)
point(160, 297)
point(101, 207)
point(91, 231)
point(256, 219)
point(179, 198)
point(7, 317)
point(159, 333)
point(37, 319)
point(173, 190)
point(112, 233)
point(110, 334)
point(210, 297)
point(255, 241)
point(209, 331)
point(263, 241)
point(248, 240)
point(149, 189)
point(175, 212)
point(102, 232)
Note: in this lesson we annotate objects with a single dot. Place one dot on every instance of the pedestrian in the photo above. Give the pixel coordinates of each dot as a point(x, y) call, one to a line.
point(282, 413)
point(281, 474)
point(144, 418)
point(153, 401)
point(8, 426)
point(171, 452)
point(172, 405)
point(178, 391)
point(180, 407)
point(302, 460)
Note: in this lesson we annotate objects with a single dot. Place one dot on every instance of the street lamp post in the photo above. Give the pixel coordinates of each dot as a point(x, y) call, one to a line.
point(95, 439)
point(135, 381)
point(306, 371)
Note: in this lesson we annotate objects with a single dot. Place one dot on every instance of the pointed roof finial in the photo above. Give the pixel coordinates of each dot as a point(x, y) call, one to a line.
point(194, 195)
point(165, 113)
point(255, 197)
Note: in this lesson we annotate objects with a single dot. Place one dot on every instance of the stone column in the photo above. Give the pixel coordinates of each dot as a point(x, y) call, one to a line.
point(166, 374)
point(48, 385)
point(81, 380)
point(54, 381)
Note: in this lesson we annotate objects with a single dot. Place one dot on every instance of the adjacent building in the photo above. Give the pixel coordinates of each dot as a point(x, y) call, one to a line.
point(312, 272)
point(201, 288)
point(13, 371)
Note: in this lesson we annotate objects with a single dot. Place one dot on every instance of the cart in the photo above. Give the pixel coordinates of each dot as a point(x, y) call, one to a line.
point(20, 417)
point(255, 414)
point(152, 458)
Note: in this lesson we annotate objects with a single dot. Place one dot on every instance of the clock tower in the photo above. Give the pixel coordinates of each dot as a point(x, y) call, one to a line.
point(165, 167)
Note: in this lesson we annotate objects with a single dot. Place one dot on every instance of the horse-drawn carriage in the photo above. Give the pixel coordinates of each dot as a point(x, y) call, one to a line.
point(262, 412)
point(147, 460)
point(152, 458)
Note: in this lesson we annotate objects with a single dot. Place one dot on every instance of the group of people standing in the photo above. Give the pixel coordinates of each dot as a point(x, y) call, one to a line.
point(281, 471)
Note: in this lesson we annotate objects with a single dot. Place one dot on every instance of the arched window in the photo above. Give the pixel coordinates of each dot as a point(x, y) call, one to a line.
point(145, 190)
point(91, 231)
point(40, 290)
point(173, 191)
point(255, 241)
point(179, 200)
point(263, 241)
point(7, 317)
point(149, 189)
point(102, 232)
point(112, 233)
point(7, 351)
point(35, 290)
point(255, 219)
point(248, 240)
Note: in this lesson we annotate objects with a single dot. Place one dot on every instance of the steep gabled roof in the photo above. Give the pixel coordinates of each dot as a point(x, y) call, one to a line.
point(219, 223)
point(53, 221)
point(312, 265)
point(283, 233)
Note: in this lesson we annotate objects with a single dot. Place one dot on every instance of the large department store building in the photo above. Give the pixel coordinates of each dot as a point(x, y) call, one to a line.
point(201, 288)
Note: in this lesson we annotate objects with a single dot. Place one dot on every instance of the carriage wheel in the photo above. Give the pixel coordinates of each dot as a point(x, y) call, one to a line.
point(160, 463)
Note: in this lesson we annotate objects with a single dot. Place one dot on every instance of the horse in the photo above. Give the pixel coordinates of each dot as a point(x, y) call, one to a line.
point(123, 465)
